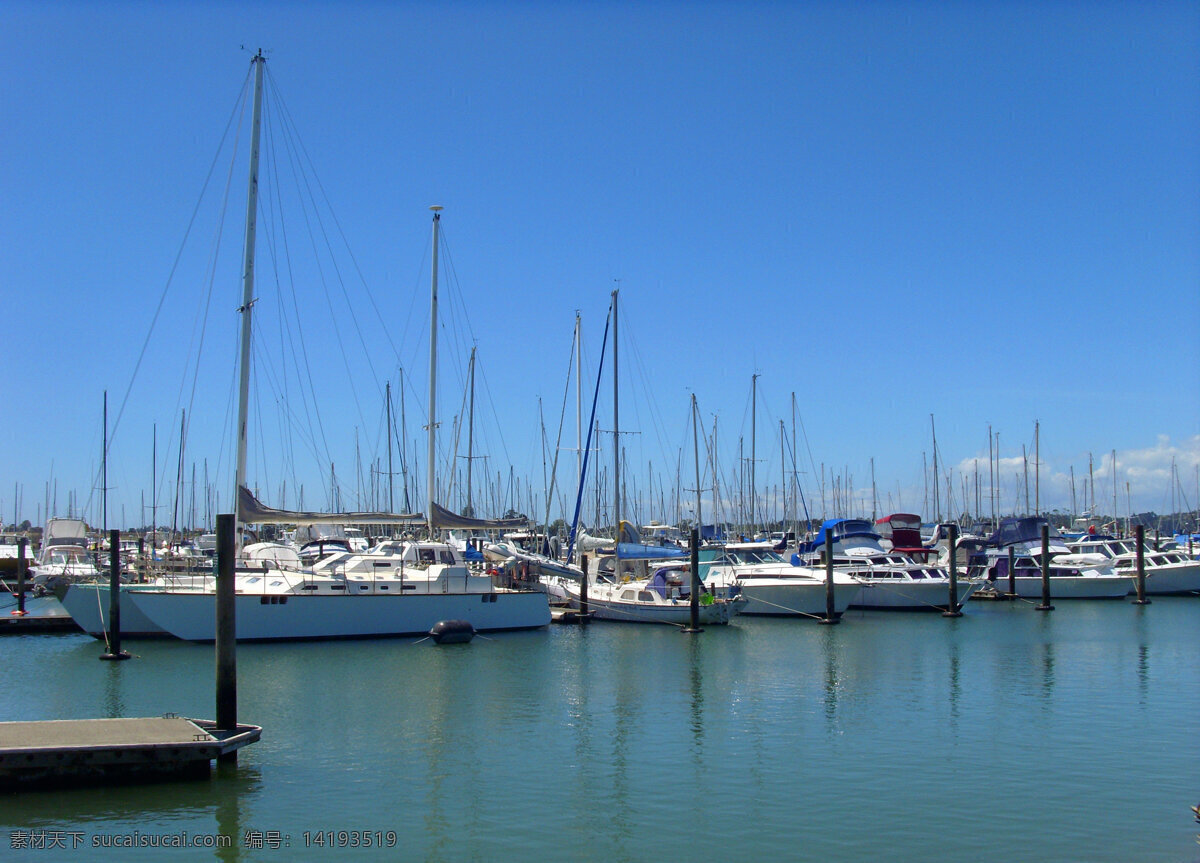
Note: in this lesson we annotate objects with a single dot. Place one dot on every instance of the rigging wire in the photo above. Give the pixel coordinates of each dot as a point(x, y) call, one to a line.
point(239, 102)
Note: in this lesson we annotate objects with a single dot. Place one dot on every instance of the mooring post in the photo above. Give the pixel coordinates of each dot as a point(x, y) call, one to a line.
point(583, 584)
point(21, 564)
point(1139, 533)
point(114, 598)
point(226, 632)
point(142, 568)
point(1045, 606)
point(830, 616)
point(1012, 572)
point(1157, 539)
point(953, 609)
point(694, 599)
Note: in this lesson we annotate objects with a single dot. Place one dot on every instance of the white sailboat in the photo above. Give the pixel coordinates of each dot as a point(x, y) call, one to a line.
point(284, 604)
point(632, 582)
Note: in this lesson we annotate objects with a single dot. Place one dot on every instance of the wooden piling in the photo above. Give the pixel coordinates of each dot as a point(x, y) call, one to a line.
point(21, 565)
point(583, 587)
point(1139, 533)
point(694, 599)
point(114, 598)
point(1012, 572)
point(830, 616)
point(226, 631)
point(1045, 606)
point(953, 609)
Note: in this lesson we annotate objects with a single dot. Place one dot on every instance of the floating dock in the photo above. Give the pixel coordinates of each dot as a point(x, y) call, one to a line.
point(568, 615)
point(42, 614)
point(91, 751)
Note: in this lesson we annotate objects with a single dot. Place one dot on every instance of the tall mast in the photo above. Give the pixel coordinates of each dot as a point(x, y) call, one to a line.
point(471, 432)
point(1037, 469)
point(874, 493)
point(578, 405)
point(248, 292)
point(783, 513)
point(103, 476)
point(753, 436)
point(388, 391)
point(1114, 467)
point(1025, 474)
point(1074, 506)
point(616, 430)
point(696, 457)
point(153, 485)
point(404, 444)
point(1091, 486)
point(991, 479)
point(937, 506)
point(433, 305)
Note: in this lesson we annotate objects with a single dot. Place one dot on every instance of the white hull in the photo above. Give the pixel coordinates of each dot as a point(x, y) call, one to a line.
point(1169, 580)
point(897, 595)
point(192, 617)
point(88, 605)
point(783, 597)
point(1071, 586)
point(676, 611)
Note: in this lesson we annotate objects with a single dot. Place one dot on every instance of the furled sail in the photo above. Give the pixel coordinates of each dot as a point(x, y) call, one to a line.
point(252, 511)
point(444, 519)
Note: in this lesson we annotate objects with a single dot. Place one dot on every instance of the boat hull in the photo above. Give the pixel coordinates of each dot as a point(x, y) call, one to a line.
point(192, 617)
point(777, 597)
point(896, 595)
point(1071, 586)
point(1170, 580)
point(678, 613)
point(88, 604)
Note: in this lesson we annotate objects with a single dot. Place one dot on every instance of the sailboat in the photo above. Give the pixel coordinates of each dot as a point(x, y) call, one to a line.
point(631, 581)
point(340, 602)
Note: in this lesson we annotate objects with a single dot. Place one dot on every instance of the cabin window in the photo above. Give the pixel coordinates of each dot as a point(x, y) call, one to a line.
point(629, 594)
point(337, 587)
point(309, 587)
point(645, 596)
point(447, 556)
point(382, 564)
point(383, 587)
point(426, 555)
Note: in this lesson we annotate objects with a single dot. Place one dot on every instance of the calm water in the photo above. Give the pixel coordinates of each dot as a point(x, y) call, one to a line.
point(1008, 734)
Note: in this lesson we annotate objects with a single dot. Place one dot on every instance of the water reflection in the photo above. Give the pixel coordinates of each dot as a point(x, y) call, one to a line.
point(1143, 663)
point(833, 675)
point(696, 700)
point(1047, 651)
point(114, 700)
point(955, 686)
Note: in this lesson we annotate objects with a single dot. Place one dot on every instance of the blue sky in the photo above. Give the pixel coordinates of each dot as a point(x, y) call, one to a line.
point(987, 212)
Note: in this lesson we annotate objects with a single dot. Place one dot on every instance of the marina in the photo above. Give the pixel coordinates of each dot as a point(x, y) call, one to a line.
point(1004, 734)
point(700, 577)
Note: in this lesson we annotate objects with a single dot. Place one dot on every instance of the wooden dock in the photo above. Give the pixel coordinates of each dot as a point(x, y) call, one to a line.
point(92, 751)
